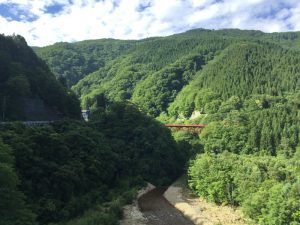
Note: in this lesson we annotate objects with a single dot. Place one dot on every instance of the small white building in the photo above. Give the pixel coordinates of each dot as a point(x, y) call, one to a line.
point(86, 114)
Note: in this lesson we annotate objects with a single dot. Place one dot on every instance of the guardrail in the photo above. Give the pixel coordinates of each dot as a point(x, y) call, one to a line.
point(29, 123)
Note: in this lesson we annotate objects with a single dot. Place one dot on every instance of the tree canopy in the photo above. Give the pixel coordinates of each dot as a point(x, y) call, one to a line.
point(24, 76)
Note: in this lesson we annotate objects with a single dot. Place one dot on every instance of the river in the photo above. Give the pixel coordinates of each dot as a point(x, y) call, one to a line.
point(159, 211)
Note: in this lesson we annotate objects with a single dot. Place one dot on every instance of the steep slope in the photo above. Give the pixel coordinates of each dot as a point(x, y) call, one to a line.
point(151, 72)
point(242, 70)
point(27, 85)
point(160, 88)
point(147, 64)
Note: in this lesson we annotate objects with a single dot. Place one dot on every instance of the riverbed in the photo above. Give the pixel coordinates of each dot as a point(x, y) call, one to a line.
point(158, 211)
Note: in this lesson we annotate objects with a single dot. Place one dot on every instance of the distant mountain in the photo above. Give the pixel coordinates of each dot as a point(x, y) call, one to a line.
point(156, 73)
point(245, 85)
point(28, 89)
point(74, 61)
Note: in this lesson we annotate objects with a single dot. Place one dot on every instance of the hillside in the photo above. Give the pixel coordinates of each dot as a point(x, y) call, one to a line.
point(73, 61)
point(152, 72)
point(244, 84)
point(71, 171)
point(147, 64)
point(243, 70)
point(27, 87)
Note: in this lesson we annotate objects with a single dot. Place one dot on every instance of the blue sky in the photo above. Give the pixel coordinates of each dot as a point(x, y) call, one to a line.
point(44, 22)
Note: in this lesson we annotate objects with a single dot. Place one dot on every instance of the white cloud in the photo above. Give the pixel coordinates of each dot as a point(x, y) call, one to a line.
point(134, 19)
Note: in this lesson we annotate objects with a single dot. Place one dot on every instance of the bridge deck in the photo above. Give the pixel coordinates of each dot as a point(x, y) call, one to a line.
point(186, 125)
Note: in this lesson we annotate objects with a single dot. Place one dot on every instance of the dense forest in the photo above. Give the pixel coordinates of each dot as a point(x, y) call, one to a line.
point(152, 72)
point(245, 85)
point(250, 156)
point(71, 171)
point(267, 188)
point(71, 62)
point(25, 78)
point(83, 172)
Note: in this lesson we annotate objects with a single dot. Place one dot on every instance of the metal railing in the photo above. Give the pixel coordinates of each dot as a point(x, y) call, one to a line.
point(29, 123)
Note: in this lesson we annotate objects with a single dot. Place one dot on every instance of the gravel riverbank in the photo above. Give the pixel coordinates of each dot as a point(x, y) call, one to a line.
point(198, 210)
point(132, 214)
point(177, 206)
point(151, 208)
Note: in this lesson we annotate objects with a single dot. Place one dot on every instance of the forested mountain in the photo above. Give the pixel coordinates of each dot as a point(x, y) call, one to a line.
point(153, 61)
point(72, 171)
point(242, 69)
point(26, 84)
point(72, 62)
point(152, 72)
point(244, 84)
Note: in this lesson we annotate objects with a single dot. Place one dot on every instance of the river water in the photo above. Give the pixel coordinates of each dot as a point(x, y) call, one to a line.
point(159, 211)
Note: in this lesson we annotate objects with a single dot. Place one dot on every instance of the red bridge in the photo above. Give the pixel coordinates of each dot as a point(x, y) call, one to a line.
point(185, 125)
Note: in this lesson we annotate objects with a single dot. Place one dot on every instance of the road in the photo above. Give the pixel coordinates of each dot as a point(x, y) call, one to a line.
point(159, 211)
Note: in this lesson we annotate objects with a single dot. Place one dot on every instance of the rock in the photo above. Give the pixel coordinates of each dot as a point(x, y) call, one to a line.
point(131, 213)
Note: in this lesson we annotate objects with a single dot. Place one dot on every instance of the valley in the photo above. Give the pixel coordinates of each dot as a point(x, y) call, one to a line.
point(220, 106)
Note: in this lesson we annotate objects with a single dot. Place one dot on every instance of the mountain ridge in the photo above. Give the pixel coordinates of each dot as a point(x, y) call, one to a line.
point(244, 85)
point(127, 74)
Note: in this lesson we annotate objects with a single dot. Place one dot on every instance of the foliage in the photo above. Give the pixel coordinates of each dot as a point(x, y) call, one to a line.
point(261, 125)
point(24, 76)
point(152, 72)
point(242, 70)
point(74, 61)
point(244, 84)
point(13, 210)
point(131, 75)
point(69, 167)
point(267, 188)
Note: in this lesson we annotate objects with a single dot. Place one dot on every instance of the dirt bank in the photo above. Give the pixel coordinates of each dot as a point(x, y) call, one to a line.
point(198, 210)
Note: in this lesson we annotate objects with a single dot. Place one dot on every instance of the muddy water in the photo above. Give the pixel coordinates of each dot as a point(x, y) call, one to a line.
point(159, 211)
